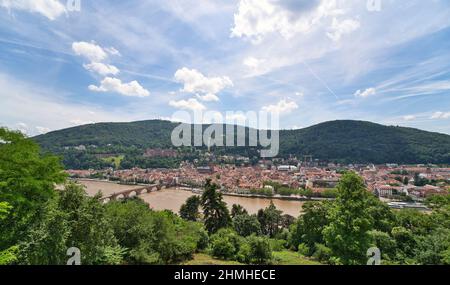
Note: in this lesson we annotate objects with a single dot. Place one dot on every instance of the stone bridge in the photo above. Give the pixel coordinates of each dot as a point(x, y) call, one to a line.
point(136, 191)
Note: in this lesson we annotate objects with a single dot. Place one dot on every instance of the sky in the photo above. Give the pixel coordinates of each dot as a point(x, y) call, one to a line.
point(68, 62)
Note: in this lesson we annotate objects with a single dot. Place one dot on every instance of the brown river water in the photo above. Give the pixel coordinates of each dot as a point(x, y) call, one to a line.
point(172, 199)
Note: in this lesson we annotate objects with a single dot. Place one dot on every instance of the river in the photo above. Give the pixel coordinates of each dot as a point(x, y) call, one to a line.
point(172, 199)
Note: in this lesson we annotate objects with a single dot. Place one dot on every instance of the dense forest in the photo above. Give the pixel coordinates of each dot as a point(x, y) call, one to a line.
point(337, 141)
point(39, 224)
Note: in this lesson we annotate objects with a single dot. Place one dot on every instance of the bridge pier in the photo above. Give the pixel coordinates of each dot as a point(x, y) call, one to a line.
point(139, 191)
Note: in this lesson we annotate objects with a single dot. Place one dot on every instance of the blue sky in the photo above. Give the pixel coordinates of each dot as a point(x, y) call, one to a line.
point(309, 60)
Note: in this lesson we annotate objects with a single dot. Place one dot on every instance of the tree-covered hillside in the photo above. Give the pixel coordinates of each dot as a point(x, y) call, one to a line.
point(154, 133)
point(339, 141)
point(359, 142)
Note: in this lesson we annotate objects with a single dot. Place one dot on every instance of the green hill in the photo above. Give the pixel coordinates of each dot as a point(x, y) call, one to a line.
point(340, 141)
point(154, 133)
point(360, 142)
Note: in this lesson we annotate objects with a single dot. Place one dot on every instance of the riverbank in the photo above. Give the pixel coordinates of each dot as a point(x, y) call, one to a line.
point(173, 198)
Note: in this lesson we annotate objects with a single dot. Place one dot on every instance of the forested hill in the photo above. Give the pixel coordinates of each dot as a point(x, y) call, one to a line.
point(154, 133)
point(359, 142)
point(342, 141)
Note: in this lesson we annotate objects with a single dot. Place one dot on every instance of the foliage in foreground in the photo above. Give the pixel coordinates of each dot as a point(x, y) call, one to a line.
point(38, 224)
point(340, 232)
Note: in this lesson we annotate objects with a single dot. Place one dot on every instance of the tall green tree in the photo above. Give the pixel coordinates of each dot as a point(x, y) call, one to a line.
point(434, 249)
point(71, 219)
point(189, 210)
point(152, 237)
point(259, 250)
point(309, 226)
point(271, 220)
point(9, 255)
point(237, 210)
point(215, 211)
point(246, 225)
point(347, 234)
point(47, 241)
point(27, 183)
point(225, 244)
point(90, 229)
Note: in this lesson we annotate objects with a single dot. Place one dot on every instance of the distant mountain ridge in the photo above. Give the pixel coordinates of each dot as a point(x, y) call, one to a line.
point(341, 141)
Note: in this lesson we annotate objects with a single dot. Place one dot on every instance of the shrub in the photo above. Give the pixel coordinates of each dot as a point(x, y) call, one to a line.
point(225, 244)
point(260, 250)
point(303, 249)
point(246, 225)
point(277, 244)
point(244, 254)
point(322, 253)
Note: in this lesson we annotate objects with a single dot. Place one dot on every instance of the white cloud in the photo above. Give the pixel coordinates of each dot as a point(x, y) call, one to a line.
point(366, 93)
point(102, 68)
point(110, 84)
point(195, 82)
point(282, 107)
point(256, 18)
point(257, 65)
point(208, 97)
point(253, 63)
point(42, 130)
point(299, 94)
point(190, 104)
point(23, 128)
point(440, 115)
point(30, 130)
point(91, 51)
point(78, 122)
point(15, 107)
point(113, 51)
point(96, 54)
point(341, 28)
point(409, 118)
point(51, 9)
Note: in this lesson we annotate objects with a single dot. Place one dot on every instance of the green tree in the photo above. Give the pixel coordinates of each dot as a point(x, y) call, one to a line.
point(215, 211)
point(406, 180)
point(46, 242)
point(225, 244)
point(189, 210)
point(309, 226)
point(154, 237)
point(9, 255)
point(419, 181)
point(385, 243)
point(237, 210)
point(271, 220)
point(323, 253)
point(287, 221)
point(27, 182)
point(90, 229)
point(246, 225)
point(417, 222)
point(71, 219)
point(347, 233)
point(406, 244)
point(434, 248)
point(259, 250)
point(383, 217)
point(5, 208)
point(438, 201)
